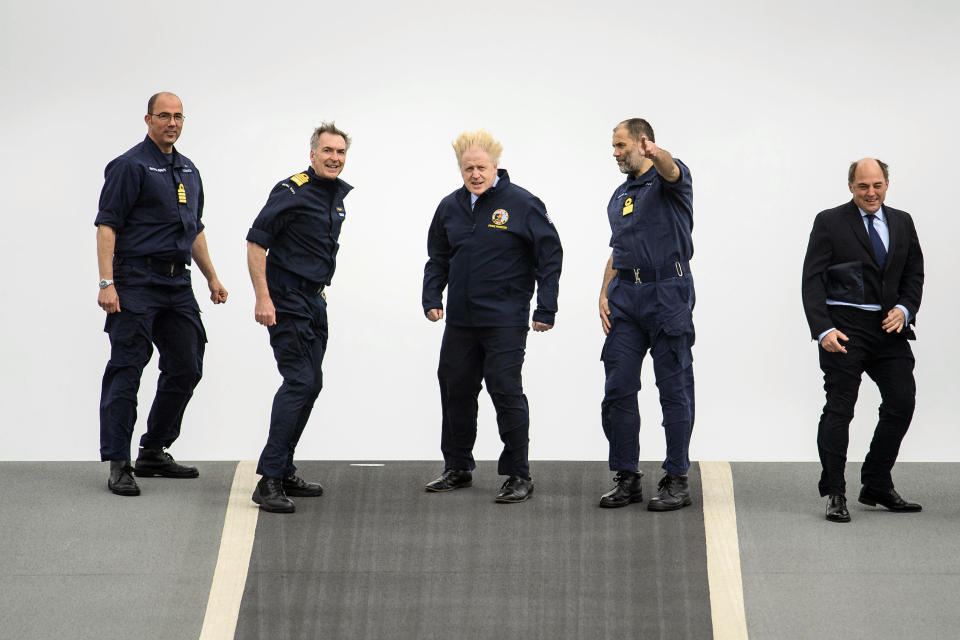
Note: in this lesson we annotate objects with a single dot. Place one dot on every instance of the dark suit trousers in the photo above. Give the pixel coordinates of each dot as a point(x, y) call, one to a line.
point(495, 355)
point(888, 360)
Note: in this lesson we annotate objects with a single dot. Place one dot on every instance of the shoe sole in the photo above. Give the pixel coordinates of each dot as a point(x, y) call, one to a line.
point(499, 500)
point(617, 505)
point(256, 498)
point(659, 506)
point(430, 489)
point(134, 492)
point(837, 519)
point(144, 473)
point(303, 494)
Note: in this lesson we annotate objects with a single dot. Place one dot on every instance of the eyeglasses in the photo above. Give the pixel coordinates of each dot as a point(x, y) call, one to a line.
point(179, 117)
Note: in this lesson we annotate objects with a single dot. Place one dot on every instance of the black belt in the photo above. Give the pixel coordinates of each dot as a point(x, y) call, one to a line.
point(157, 265)
point(280, 276)
point(669, 270)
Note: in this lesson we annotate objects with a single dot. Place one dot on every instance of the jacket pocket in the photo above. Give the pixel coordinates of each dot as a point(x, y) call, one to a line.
point(844, 282)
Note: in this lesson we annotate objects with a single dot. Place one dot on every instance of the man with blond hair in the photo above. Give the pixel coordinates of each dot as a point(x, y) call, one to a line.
point(489, 243)
point(291, 254)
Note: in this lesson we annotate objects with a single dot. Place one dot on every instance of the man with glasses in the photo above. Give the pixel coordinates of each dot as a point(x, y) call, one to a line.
point(148, 230)
point(292, 253)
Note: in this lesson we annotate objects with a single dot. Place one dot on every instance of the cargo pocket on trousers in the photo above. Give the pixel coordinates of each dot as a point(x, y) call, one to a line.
point(680, 335)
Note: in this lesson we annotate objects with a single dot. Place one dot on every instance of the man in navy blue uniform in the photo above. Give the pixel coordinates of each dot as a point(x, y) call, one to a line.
point(489, 242)
point(646, 304)
point(292, 254)
point(148, 229)
point(862, 284)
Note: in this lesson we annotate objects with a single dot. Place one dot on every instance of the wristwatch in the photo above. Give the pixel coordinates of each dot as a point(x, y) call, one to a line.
point(105, 283)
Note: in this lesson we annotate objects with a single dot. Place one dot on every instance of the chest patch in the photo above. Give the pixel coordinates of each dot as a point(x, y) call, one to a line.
point(499, 218)
point(628, 206)
point(181, 194)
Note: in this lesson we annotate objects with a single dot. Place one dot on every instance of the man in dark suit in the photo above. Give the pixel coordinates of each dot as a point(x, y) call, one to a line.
point(862, 283)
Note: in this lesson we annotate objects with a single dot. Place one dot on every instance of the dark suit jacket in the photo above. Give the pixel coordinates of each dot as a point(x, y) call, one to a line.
point(840, 265)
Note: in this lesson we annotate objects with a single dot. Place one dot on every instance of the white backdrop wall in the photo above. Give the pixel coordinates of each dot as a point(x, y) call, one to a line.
point(766, 102)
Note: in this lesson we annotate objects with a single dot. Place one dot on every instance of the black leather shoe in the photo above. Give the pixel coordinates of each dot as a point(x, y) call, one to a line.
point(672, 494)
point(837, 509)
point(451, 479)
point(888, 498)
point(158, 463)
point(299, 488)
point(515, 489)
point(121, 481)
point(270, 496)
point(628, 490)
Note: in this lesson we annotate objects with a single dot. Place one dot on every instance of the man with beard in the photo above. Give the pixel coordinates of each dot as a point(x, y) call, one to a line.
point(646, 304)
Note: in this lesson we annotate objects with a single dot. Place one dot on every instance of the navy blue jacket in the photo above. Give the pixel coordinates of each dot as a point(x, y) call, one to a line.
point(152, 203)
point(299, 226)
point(491, 256)
point(652, 220)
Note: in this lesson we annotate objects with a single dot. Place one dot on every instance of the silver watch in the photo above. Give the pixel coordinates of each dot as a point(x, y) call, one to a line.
point(105, 283)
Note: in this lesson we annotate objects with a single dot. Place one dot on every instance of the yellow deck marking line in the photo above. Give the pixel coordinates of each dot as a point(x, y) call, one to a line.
point(233, 561)
point(723, 552)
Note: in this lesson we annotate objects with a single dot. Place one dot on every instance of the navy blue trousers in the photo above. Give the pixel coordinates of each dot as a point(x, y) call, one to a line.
point(299, 341)
point(169, 318)
point(888, 360)
point(655, 317)
point(494, 355)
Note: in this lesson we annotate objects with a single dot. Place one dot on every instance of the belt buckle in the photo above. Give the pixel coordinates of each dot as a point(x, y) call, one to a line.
point(679, 269)
point(636, 277)
point(170, 273)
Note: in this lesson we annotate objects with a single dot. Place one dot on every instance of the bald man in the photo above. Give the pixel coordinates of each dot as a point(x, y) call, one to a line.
point(149, 229)
point(862, 284)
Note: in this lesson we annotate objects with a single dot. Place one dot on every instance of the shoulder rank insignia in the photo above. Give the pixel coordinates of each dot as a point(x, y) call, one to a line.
point(628, 206)
point(300, 179)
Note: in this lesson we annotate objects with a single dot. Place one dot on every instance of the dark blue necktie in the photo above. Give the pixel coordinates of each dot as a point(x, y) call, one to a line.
point(879, 251)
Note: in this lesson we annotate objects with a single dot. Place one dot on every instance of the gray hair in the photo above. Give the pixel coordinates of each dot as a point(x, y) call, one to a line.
point(331, 128)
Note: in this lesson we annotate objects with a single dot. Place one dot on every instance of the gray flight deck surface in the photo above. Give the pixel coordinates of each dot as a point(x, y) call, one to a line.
point(377, 557)
point(883, 575)
point(78, 562)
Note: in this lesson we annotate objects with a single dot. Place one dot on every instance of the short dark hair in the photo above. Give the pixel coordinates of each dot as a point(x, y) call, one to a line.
point(331, 128)
point(153, 99)
point(884, 168)
point(637, 127)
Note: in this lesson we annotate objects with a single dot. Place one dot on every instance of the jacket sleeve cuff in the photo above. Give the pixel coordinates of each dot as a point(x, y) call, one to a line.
point(260, 237)
point(546, 317)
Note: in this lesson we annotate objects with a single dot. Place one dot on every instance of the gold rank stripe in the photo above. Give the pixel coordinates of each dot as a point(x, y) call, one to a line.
point(300, 179)
point(181, 194)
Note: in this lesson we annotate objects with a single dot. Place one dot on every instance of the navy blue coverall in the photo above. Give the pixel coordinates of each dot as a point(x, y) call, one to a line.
point(489, 257)
point(651, 303)
point(154, 203)
point(299, 226)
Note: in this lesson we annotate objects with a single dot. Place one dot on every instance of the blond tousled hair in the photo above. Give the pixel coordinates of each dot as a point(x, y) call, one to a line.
point(481, 139)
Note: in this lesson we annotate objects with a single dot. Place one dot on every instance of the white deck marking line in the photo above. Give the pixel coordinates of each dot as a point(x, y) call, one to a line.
point(233, 561)
point(723, 552)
